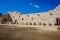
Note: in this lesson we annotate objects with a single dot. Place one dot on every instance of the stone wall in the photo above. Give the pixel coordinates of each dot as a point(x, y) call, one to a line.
point(40, 19)
point(45, 19)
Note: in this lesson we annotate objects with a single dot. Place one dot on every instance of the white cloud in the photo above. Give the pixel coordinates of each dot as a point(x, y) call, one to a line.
point(36, 6)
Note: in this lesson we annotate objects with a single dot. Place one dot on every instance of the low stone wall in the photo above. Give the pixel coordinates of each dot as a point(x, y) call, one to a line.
point(52, 28)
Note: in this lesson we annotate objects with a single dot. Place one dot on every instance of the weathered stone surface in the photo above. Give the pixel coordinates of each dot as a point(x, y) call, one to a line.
point(50, 18)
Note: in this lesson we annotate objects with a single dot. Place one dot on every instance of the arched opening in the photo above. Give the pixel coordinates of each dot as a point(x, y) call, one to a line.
point(32, 18)
point(50, 24)
point(4, 21)
point(34, 23)
point(51, 14)
point(15, 22)
point(22, 18)
point(26, 23)
point(44, 24)
point(57, 22)
point(27, 15)
point(30, 23)
point(39, 23)
point(19, 16)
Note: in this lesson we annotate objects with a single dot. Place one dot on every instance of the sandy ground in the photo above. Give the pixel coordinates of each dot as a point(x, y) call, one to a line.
point(27, 34)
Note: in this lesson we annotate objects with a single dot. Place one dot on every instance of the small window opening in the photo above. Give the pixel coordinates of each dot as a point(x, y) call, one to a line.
point(51, 14)
point(30, 23)
point(44, 24)
point(34, 23)
point(17, 23)
point(55, 24)
point(32, 18)
point(19, 16)
point(22, 19)
point(50, 24)
point(39, 23)
point(27, 15)
point(26, 23)
point(5, 20)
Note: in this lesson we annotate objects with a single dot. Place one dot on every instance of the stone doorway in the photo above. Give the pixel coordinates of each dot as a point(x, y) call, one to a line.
point(57, 22)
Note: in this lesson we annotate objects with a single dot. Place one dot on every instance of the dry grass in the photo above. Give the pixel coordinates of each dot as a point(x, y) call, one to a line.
point(27, 34)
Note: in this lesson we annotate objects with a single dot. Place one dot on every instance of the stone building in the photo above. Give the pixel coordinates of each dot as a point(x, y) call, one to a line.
point(50, 18)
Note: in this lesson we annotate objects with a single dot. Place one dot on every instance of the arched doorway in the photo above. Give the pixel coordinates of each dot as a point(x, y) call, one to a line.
point(4, 21)
point(57, 21)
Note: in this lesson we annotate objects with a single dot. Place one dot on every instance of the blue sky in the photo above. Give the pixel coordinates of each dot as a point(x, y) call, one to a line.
point(27, 6)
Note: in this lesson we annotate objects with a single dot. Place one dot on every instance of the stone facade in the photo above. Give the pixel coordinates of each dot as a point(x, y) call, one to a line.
point(50, 18)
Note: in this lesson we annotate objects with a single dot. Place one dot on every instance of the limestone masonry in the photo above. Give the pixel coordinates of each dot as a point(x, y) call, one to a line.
point(50, 18)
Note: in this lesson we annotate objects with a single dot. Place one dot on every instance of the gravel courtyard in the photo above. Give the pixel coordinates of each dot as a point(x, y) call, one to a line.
point(27, 33)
